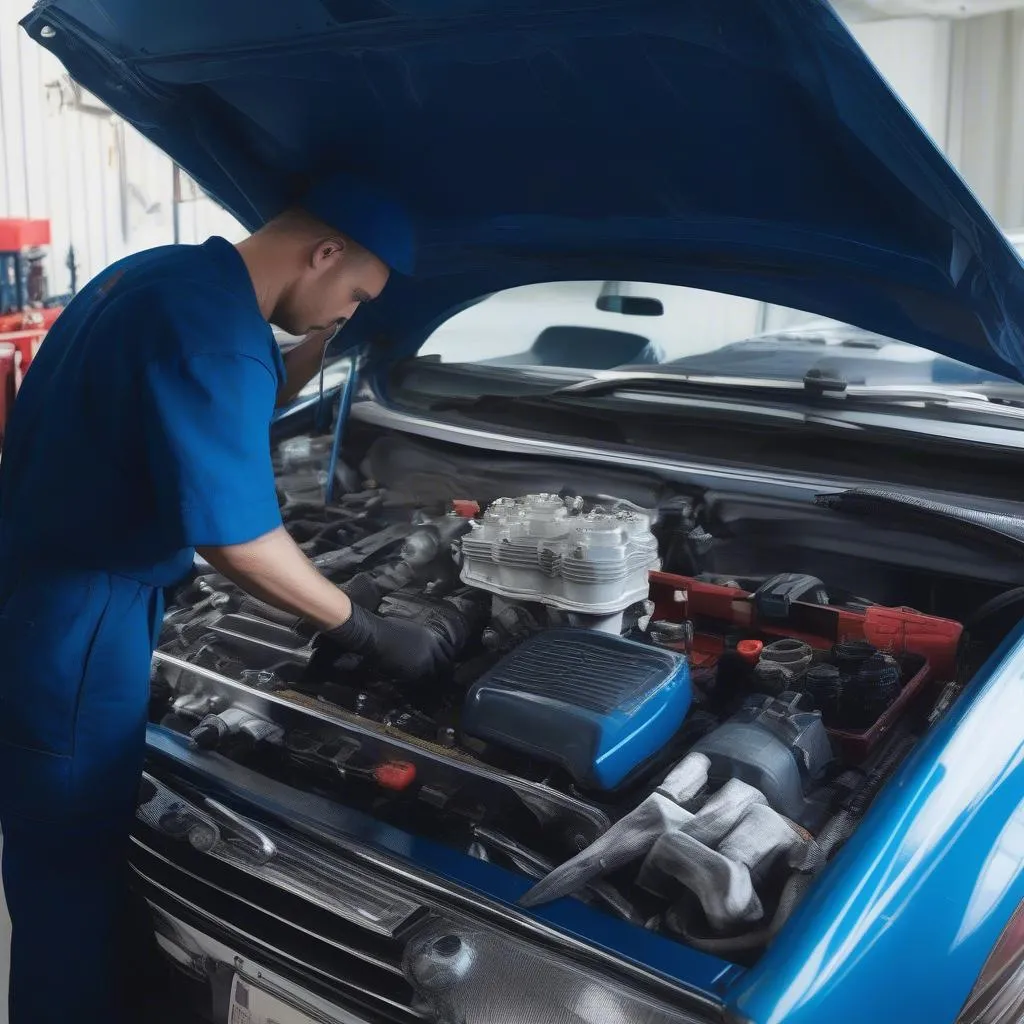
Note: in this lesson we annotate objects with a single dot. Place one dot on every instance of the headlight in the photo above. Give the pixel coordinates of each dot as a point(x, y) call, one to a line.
point(465, 974)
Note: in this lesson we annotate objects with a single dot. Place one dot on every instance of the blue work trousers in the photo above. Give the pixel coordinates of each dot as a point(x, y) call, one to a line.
point(75, 650)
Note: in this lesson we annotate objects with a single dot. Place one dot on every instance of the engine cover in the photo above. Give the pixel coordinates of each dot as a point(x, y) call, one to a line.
point(544, 548)
point(592, 702)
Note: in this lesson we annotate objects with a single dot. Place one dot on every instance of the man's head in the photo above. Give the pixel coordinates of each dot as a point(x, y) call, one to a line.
point(317, 262)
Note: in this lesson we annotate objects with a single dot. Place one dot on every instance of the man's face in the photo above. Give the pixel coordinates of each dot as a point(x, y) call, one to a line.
point(337, 278)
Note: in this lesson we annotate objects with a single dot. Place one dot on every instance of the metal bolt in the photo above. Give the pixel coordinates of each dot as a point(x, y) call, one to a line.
point(47, 32)
point(215, 600)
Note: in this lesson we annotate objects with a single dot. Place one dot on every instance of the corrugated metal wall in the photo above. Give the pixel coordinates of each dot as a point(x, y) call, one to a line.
point(106, 190)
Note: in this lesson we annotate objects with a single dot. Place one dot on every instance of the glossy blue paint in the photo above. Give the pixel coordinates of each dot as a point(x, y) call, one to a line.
point(220, 777)
point(743, 146)
point(507, 706)
point(900, 925)
point(344, 407)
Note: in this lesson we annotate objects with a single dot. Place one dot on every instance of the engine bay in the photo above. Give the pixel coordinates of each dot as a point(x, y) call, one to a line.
point(624, 723)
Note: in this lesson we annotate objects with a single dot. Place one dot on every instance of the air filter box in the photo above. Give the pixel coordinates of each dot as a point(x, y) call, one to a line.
point(592, 702)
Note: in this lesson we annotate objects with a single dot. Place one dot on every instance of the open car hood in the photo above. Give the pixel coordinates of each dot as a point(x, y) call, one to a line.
point(738, 146)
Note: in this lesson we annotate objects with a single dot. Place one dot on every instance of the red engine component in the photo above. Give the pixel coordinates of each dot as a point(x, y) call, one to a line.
point(7, 385)
point(717, 611)
point(25, 316)
point(465, 508)
point(21, 233)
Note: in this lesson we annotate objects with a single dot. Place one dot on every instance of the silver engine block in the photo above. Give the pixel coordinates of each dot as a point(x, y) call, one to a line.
point(548, 549)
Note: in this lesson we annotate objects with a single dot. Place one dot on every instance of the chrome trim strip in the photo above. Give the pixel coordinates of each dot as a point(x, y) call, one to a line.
point(282, 882)
point(231, 929)
point(376, 414)
point(266, 847)
point(265, 703)
point(358, 954)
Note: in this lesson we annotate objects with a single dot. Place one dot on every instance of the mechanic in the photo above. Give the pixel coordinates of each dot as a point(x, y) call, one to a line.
point(140, 436)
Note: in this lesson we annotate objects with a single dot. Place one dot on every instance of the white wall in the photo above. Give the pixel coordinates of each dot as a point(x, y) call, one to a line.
point(106, 190)
point(986, 120)
point(913, 54)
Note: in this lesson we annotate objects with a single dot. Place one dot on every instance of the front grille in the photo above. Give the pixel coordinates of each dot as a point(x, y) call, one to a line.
point(342, 962)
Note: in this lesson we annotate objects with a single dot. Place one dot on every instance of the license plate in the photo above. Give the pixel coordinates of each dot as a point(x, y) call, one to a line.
point(251, 1004)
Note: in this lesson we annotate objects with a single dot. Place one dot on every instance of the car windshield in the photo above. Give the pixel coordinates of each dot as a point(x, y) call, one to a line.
point(576, 328)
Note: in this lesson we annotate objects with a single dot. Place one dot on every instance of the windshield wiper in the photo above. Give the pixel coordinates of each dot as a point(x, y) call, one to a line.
point(814, 384)
point(606, 382)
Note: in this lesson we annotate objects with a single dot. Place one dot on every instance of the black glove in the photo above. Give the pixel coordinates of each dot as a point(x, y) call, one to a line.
point(364, 591)
point(403, 649)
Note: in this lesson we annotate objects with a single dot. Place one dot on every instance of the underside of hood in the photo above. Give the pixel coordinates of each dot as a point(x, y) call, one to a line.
point(738, 146)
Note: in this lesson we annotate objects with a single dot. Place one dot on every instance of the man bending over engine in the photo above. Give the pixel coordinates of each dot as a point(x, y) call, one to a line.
point(141, 435)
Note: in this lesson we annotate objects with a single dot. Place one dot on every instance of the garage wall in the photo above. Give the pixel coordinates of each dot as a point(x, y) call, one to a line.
point(964, 81)
point(986, 118)
point(106, 190)
point(914, 56)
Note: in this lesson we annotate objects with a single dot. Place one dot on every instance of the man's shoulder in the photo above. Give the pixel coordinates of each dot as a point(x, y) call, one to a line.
point(186, 293)
point(185, 274)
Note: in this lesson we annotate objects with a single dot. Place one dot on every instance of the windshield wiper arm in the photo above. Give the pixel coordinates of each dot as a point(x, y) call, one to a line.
point(814, 384)
point(606, 382)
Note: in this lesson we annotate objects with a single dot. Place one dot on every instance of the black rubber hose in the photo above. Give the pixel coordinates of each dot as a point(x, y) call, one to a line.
point(849, 655)
point(994, 606)
point(951, 521)
point(870, 692)
point(878, 774)
point(837, 830)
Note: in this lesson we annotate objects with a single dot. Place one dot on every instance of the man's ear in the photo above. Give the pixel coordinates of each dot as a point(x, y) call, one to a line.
point(329, 249)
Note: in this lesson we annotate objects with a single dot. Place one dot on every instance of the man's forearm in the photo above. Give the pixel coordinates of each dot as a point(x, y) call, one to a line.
point(273, 569)
point(302, 363)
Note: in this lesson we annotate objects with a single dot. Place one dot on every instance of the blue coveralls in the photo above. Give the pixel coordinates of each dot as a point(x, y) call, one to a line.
point(141, 432)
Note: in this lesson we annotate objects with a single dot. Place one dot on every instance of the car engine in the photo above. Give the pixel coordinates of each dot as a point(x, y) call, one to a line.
point(685, 751)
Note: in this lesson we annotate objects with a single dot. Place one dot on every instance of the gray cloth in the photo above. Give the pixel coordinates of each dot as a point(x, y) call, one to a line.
point(631, 837)
point(723, 886)
point(718, 853)
point(722, 879)
point(723, 812)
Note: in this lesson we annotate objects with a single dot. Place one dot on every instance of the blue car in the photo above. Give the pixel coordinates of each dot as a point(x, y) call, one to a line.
point(735, 731)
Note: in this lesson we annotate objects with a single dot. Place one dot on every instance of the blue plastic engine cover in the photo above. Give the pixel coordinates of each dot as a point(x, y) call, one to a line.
point(592, 702)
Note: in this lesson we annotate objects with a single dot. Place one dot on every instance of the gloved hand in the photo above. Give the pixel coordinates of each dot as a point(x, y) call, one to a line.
point(364, 591)
point(403, 649)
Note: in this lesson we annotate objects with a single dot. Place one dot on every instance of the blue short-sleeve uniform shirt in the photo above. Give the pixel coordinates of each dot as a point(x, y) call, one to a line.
point(141, 430)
